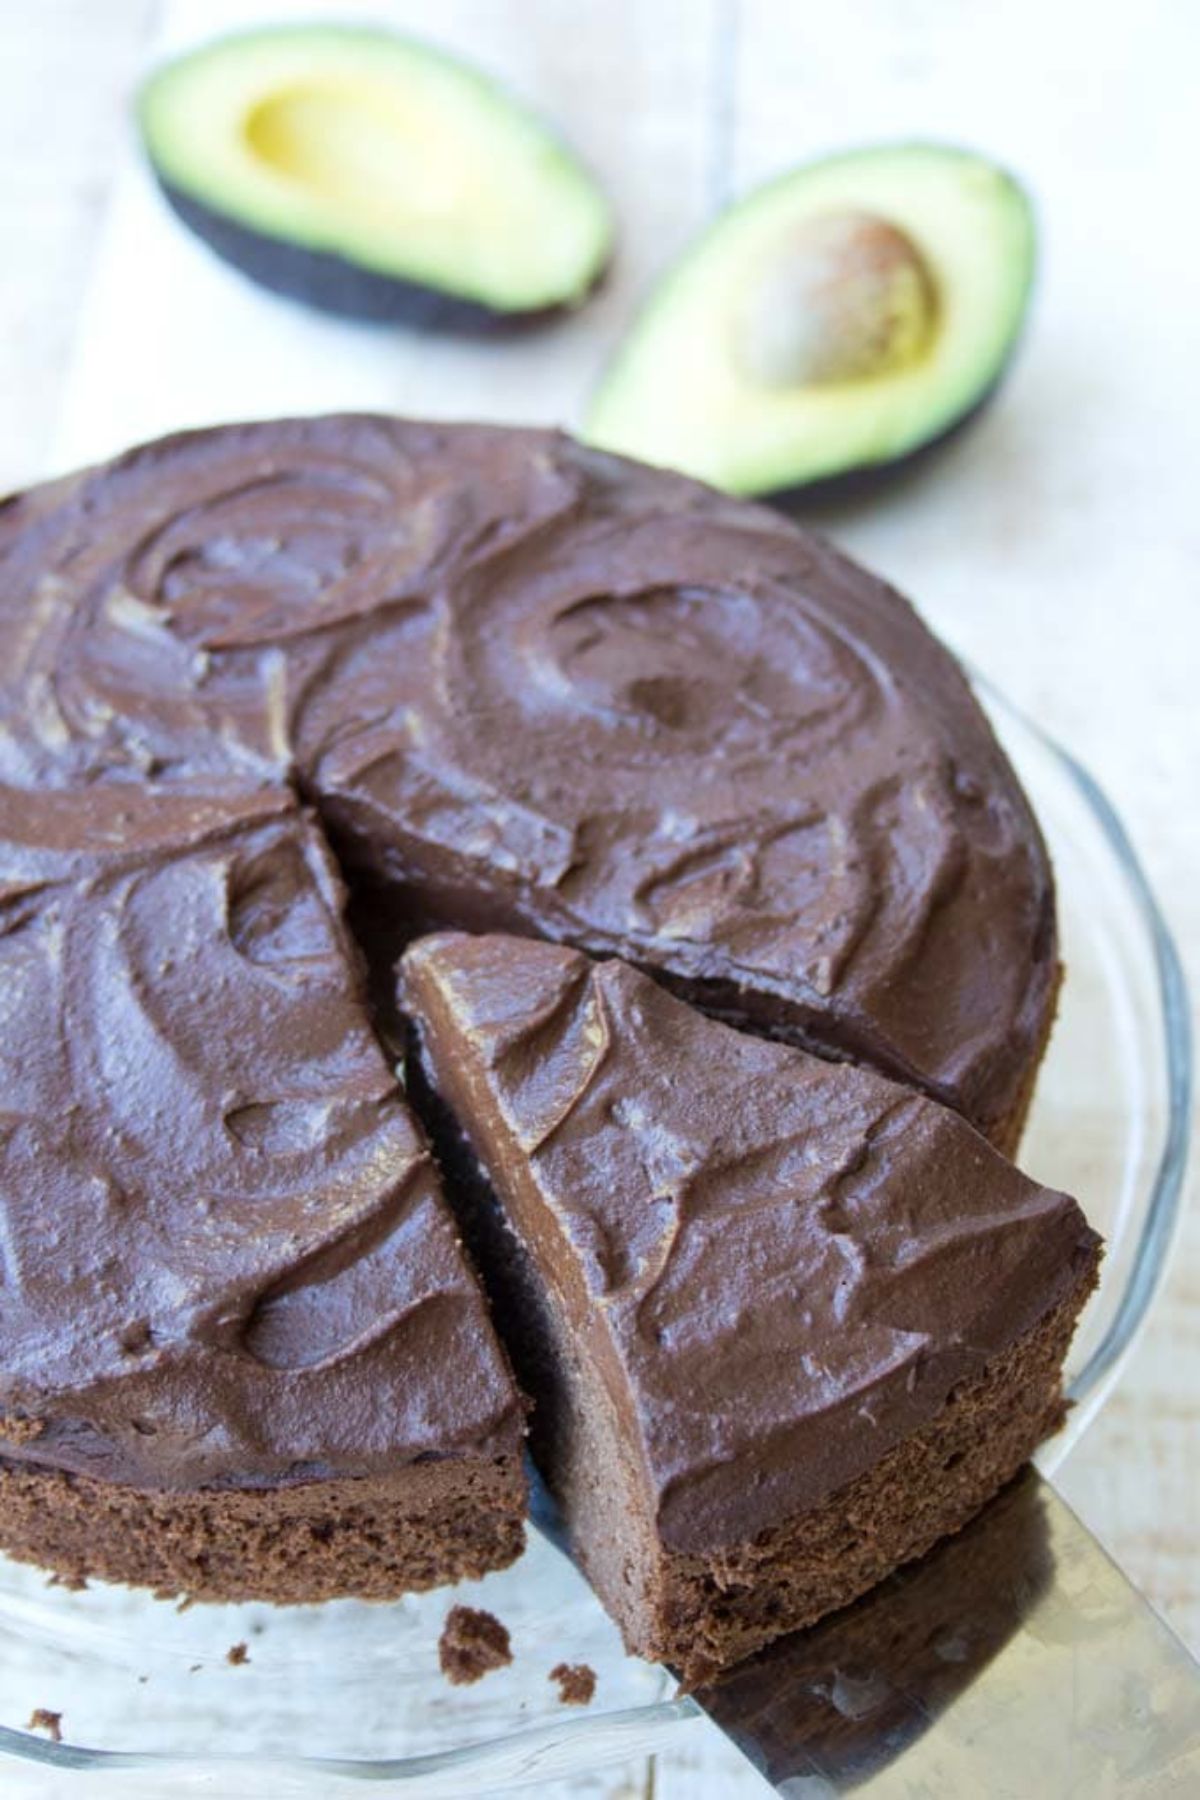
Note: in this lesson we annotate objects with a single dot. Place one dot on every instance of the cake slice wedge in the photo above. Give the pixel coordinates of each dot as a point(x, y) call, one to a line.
point(786, 1323)
point(242, 1354)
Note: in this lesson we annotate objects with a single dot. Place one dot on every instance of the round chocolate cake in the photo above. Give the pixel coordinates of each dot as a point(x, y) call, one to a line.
point(491, 682)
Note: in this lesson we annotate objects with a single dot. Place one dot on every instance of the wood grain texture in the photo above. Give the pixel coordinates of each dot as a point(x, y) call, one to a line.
point(1056, 545)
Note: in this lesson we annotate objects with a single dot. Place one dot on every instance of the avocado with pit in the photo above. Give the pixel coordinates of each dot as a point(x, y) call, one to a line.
point(373, 176)
point(838, 319)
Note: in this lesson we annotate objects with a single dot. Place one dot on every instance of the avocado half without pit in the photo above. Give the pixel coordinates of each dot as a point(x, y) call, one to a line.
point(840, 318)
point(373, 176)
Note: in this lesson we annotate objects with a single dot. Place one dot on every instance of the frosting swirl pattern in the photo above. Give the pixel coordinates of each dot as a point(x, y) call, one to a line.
point(534, 687)
point(524, 686)
point(781, 1266)
point(226, 1258)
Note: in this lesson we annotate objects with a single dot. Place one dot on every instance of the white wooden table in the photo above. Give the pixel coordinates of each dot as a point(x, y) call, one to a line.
point(1058, 547)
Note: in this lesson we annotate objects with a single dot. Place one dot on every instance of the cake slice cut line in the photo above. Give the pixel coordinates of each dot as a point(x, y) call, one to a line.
point(491, 664)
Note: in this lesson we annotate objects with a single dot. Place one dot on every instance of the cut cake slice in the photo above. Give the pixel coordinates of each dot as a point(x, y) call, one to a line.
point(786, 1323)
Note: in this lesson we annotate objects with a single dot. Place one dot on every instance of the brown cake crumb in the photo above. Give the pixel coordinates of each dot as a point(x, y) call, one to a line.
point(472, 1644)
point(42, 1719)
point(576, 1683)
point(371, 1536)
point(237, 1654)
point(74, 1584)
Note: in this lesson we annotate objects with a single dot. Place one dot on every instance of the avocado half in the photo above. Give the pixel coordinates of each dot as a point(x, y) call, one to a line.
point(373, 176)
point(839, 318)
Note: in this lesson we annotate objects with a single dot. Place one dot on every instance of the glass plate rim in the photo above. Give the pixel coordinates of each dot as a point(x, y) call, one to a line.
point(1087, 1391)
point(1095, 1379)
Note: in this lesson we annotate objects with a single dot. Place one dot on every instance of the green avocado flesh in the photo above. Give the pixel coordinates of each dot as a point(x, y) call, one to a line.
point(376, 153)
point(840, 317)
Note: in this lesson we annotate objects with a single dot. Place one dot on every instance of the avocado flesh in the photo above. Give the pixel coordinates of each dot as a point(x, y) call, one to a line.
point(370, 174)
point(839, 318)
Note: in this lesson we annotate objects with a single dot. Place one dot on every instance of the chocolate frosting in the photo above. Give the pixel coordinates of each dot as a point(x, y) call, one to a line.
point(224, 1254)
point(526, 686)
point(781, 1266)
point(537, 688)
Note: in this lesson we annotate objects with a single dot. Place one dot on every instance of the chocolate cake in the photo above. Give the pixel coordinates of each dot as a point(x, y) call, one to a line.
point(532, 687)
point(786, 1322)
point(499, 682)
point(241, 1352)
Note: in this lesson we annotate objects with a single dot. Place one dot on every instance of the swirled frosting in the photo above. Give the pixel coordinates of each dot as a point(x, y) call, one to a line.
point(224, 1253)
point(536, 688)
point(781, 1266)
point(524, 686)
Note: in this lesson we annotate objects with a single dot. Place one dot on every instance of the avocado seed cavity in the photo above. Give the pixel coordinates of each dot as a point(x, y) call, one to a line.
point(848, 297)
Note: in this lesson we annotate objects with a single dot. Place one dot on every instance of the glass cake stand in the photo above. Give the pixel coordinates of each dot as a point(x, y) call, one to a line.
point(335, 1696)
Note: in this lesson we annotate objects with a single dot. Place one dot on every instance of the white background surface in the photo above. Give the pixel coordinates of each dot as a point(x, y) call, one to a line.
point(1057, 544)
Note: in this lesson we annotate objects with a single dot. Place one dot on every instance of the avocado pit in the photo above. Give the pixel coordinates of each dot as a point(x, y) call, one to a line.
point(848, 297)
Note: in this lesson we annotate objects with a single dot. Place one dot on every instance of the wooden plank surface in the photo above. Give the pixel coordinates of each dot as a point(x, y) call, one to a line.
point(1057, 545)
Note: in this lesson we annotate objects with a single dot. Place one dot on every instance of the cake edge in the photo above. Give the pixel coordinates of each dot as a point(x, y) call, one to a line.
point(366, 1537)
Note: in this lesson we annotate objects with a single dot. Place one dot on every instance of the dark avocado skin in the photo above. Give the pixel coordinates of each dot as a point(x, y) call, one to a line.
point(333, 284)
